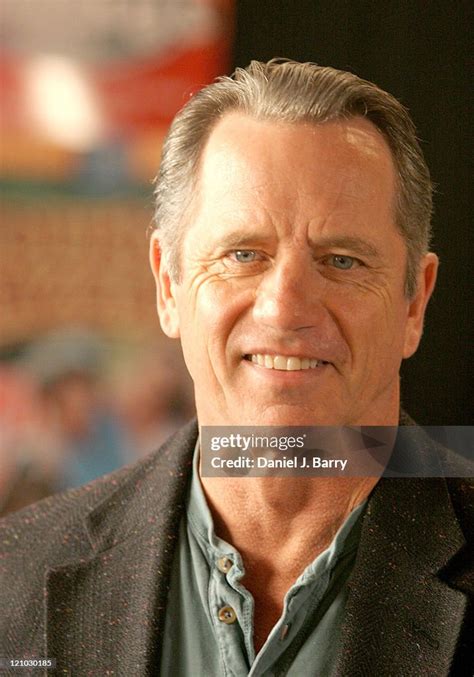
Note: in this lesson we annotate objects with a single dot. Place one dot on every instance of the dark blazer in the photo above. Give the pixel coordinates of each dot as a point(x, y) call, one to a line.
point(84, 575)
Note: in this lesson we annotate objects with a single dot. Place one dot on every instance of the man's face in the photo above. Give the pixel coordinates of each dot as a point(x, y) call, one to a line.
point(291, 306)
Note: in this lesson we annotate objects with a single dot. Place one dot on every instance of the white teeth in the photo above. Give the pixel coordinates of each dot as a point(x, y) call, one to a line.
point(293, 364)
point(279, 362)
point(283, 363)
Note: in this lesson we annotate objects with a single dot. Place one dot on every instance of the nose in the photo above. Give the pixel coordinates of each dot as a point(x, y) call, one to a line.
point(289, 296)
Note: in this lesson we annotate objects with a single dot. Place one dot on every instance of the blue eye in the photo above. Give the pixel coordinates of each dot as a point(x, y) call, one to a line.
point(245, 255)
point(342, 262)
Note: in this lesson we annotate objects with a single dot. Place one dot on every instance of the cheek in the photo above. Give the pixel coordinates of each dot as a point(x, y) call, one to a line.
point(373, 326)
point(208, 316)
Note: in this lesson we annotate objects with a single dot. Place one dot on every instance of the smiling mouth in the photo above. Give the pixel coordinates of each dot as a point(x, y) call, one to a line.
point(284, 362)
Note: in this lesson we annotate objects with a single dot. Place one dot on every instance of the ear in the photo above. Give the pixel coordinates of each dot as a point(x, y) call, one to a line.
point(417, 305)
point(165, 290)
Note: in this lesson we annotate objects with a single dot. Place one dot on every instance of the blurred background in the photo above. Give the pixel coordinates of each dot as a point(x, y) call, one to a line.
point(88, 89)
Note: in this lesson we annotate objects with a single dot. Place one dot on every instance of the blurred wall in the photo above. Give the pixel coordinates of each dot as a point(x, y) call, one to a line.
point(422, 53)
point(67, 263)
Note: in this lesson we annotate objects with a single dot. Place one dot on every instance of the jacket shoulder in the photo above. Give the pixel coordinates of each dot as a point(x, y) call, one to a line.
point(55, 525)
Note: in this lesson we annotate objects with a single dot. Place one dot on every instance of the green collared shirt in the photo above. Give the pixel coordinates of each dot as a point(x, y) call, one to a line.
point(209, 618)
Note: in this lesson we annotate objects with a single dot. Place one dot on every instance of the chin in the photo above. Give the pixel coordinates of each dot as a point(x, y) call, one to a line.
point(288, 415)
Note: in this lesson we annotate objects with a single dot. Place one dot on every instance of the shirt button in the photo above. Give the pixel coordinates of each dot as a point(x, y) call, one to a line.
point(227, 615)
point(224, 564)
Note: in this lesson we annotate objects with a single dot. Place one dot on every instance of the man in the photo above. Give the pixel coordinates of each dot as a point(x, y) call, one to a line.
point(291, 259)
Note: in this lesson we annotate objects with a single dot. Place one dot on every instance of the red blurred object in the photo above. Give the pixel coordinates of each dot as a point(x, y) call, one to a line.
point(149, 93)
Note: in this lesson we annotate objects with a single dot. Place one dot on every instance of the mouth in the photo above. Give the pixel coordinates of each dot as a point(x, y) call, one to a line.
point(284, 362)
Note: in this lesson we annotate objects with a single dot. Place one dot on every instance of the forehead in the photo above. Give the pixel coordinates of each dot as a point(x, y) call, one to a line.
point(245, 154)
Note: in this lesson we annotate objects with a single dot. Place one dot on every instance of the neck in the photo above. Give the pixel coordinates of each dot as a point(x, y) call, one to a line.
point(283, 513)
point(248, 511)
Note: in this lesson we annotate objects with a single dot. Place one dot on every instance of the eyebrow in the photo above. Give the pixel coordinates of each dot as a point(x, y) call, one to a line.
point(242, 239)
point(353, 243)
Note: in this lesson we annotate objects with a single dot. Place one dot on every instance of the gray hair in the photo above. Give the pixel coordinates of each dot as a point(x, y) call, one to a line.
point(293, 92)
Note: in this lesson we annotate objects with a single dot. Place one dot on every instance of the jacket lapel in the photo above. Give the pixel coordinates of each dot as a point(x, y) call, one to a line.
point(401, 618)
point(105, 612)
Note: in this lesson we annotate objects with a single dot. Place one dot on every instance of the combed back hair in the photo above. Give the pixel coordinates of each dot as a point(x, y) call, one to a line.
point(288, 91)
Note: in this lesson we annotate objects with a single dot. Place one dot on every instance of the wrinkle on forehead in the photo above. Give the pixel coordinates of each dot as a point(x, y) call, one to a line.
point(243, 160)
